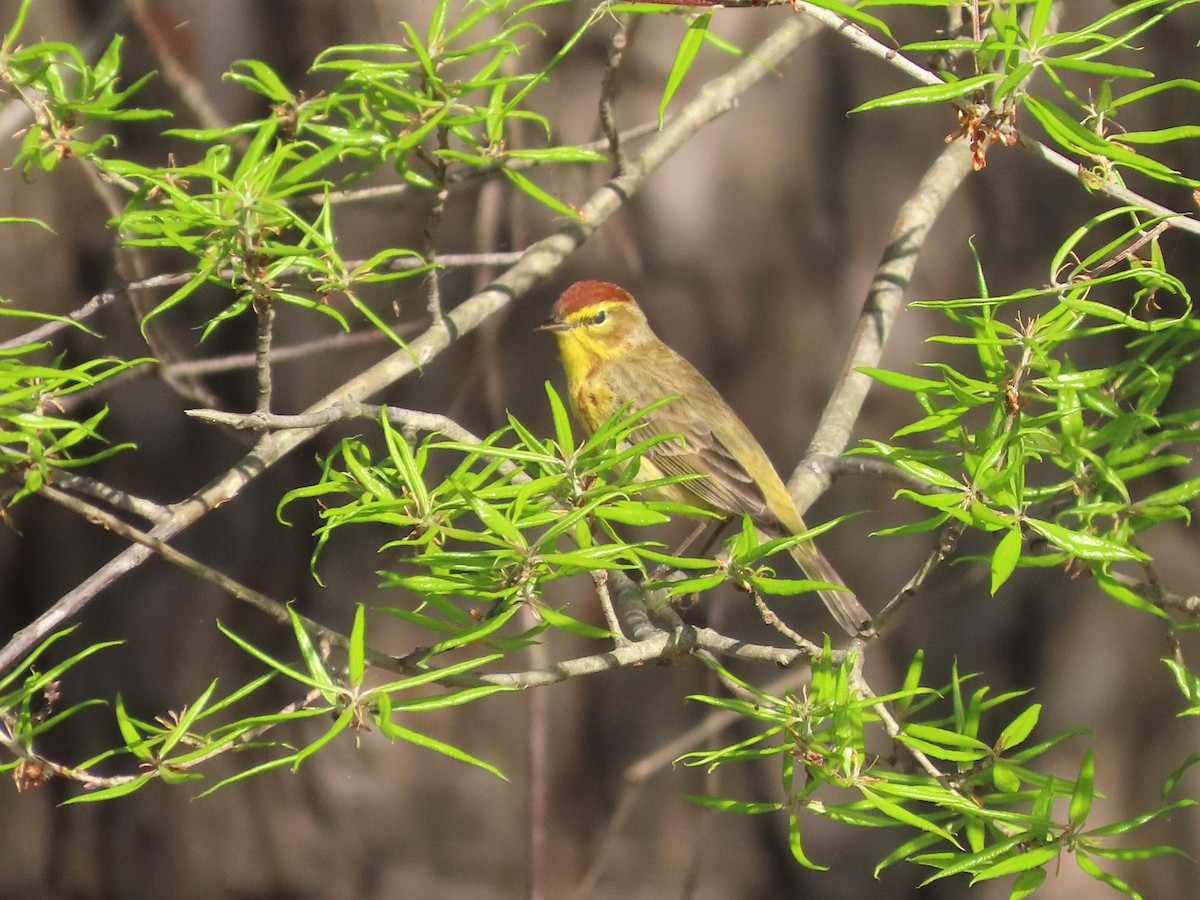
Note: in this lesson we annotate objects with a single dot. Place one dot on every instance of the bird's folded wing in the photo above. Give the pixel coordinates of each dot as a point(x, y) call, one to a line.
point(727, 486)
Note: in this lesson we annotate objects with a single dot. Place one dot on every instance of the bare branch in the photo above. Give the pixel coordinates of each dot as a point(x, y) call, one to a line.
point(883, 304)
point(339, 412)
point(118, 499)
point(260, 601)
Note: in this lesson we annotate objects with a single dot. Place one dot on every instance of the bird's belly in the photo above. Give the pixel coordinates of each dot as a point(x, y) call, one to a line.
point(593, 405)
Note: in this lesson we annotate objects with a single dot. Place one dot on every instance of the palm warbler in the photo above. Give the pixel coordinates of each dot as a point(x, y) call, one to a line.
point(612, 358)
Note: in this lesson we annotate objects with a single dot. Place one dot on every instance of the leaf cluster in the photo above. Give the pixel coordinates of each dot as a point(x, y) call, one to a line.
point(1072, 81)
point(36, 435)
point(513, 513)
point(980, 807)
point(1062, 460)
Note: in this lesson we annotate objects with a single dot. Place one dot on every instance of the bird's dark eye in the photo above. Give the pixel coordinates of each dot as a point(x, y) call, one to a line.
point(599, 317)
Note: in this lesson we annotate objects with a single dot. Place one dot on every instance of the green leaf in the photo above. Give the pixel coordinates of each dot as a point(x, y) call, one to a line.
point(1006, 778)
point(1127, 825)
point(900, 380)
point(180, 730)
point(1005, 557)
point(539, 194)
point(1085, 785)
point(356, 667)
point(275, 664)
point(1020, 862)
point(905, 816)
point(1160, 135)
point(725, 804)
point(563, 622)
point(562, 422)
point(689, 46)
point(1085, 546)
point(123, 789)
point(14, 32)
point(933, 93)
point(1039, 19)
point(796, 846)
point(1019, 728)
point(394, 731)
point(1086, 864)
point(261, 78)
point(1026, 883)
point(1120, 592)
point(931, 734)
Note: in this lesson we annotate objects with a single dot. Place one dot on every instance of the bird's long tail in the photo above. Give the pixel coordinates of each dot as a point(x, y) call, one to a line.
point(842, 605)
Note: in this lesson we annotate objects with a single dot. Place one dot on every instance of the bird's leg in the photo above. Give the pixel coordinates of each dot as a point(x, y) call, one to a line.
point(712, 539)
point(682, 604)
point(661, 571)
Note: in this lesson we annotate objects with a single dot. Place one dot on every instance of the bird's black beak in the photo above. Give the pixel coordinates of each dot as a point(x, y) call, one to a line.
point(553, 325)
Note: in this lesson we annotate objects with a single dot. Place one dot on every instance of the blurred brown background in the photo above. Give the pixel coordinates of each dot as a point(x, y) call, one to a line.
point(751, 251)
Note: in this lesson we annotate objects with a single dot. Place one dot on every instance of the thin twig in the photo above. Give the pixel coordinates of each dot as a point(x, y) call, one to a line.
point(433, 222)
point(260, 601)
point(117, 499)
point(341, 411)
point(174, 279)
point(609, 85)
point(947, 544)
point(301, 351)
point(264, 312)
point(1133, 248)
point(189, 88)
point(773, 620)
point(600, 577)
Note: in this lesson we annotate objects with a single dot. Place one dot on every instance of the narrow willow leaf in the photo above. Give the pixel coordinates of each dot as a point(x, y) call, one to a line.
point(357, 646)
point(1085, 787)
point(429, 743)
point(911, 383)
point(1005, 558)
point(905, 816)
point(111, 793)
point(1120, 592)
point(725, 804)
point(539, 194)
point(1085, 546)
point(1020, 862)
point(562, 422)
point(689, 46)
point(1087, 865)
point(797, 847)
point(1019, 728)
point(933, 93)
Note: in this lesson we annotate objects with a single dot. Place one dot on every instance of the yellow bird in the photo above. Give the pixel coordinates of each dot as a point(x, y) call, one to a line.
point(612, 358)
